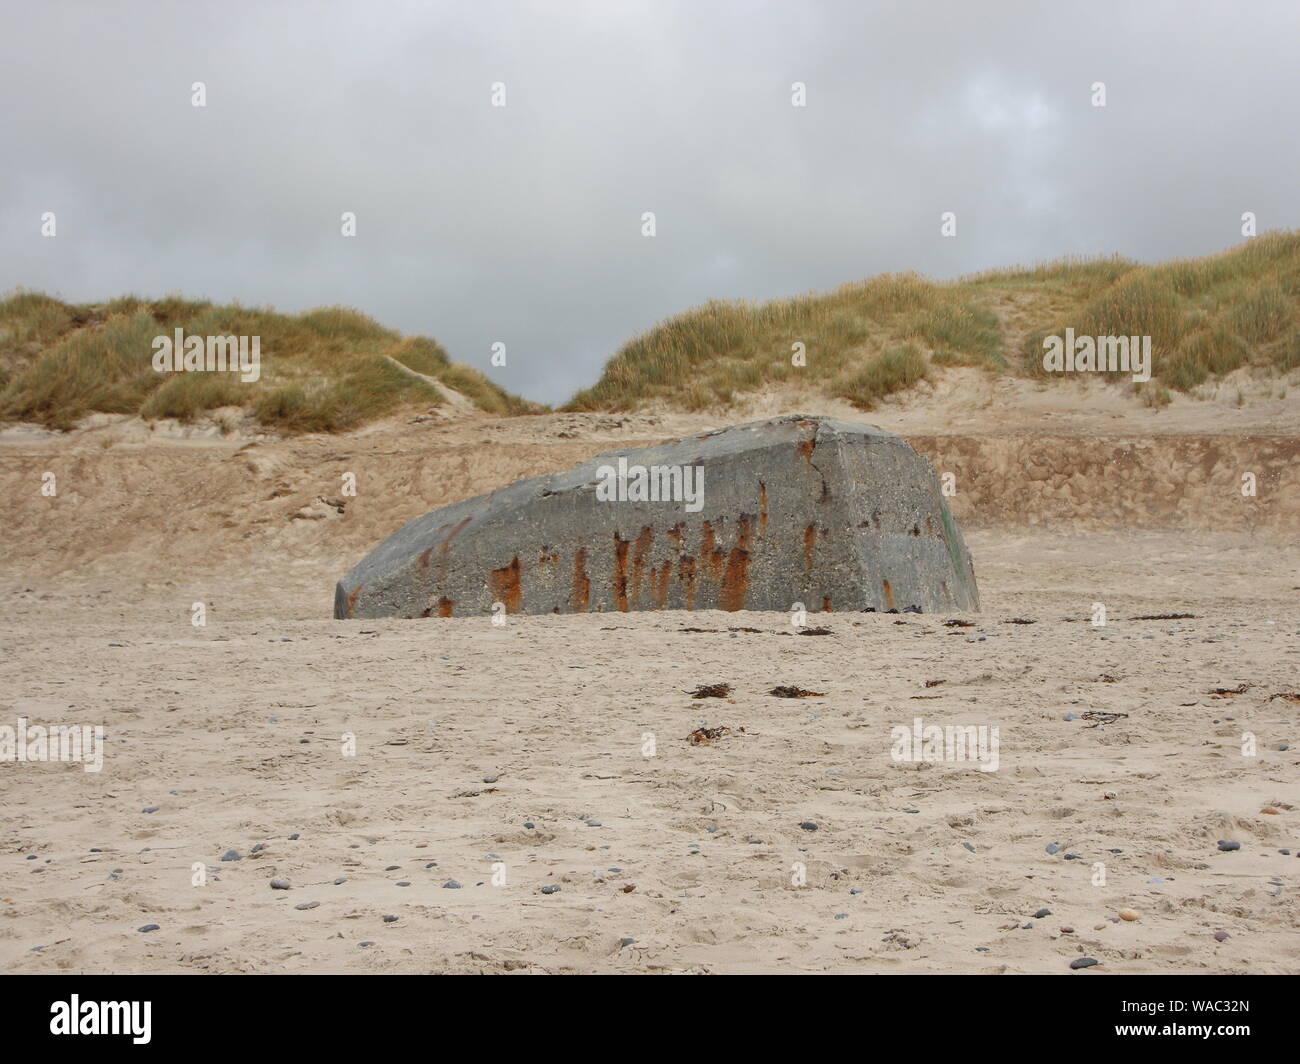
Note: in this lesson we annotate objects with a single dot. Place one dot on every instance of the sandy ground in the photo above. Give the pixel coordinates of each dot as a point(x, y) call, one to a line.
point(684, 861)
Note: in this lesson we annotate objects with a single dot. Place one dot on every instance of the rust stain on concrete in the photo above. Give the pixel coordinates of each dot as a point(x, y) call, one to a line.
point(581, 582)
point(506, 586)
point(735, 582)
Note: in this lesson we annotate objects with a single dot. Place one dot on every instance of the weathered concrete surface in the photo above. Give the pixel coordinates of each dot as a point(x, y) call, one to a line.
point(836, 515)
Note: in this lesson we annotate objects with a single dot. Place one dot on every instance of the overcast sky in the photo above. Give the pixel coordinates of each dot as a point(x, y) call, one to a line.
point(522, 224)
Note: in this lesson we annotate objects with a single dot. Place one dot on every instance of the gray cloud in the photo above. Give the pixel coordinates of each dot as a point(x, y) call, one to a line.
point(522, 224)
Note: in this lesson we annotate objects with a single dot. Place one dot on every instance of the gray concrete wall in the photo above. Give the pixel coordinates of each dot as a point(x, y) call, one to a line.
point(836, 515)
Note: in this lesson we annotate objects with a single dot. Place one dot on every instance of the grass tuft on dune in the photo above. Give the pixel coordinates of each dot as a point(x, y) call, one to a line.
point(325, 370)
point(333, 369)
point(1206, 317)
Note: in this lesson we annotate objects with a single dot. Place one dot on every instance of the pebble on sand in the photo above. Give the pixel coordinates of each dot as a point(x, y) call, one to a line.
point(231, 855)
point(307, 905)
point(808, 825)
point(1220, 936)
point(1225, 845)
point(1129, 914)
point(1041, 913)
point(279, 884)
point(451, 884)
point(389, 918)
point(1084, 962)
point(150, 927)
point(550, 888)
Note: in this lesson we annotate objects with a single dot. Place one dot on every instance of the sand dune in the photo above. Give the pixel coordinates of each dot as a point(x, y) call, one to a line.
point(467, 733)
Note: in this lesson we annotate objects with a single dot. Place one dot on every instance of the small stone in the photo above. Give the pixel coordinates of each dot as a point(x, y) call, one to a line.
point(340, 880)
point(1129, 914)
point(808, 825)
point(1067, 930)
point(1084, 962)
point(258, 848)
point(1041, 913)
point(149, 809)
point(1220, 936)
point(294, 837)
point(31, 857)
point(622, 942)
point(551, 888)
point(432, 864)
point(1224, 845)
point(150, 927)
point(279, 884)
point(231, 855)
point(390, 919)
point(529, 825)
point(404, 883)
point(451, 884)
point(392, 868)
point(969, 846)
point(1285, 853)
point(307, 905)
point(363, 945)
point(841, 916)
point(593, 823)
point(489, 779)
point(1052, 847)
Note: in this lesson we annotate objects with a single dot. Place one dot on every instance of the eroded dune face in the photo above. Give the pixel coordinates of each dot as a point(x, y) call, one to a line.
point(816, 511)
